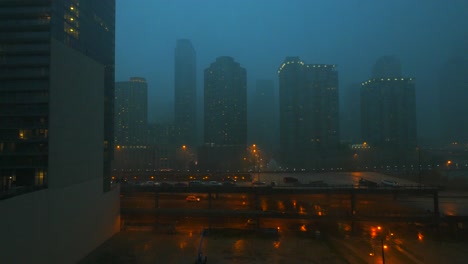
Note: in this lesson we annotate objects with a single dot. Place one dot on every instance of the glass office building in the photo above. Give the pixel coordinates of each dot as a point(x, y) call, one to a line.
point(27, 57)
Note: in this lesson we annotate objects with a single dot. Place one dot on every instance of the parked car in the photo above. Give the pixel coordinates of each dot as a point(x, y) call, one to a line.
point(258, 183)
point(290, 180)
point(180, 184)
point(195, 183)
point(215, 183)
point(229, 183)
point(192, 198)
point(165, 184)
point(148, 183)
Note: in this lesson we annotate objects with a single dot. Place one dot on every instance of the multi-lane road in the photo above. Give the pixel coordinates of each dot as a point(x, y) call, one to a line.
point(327, 213)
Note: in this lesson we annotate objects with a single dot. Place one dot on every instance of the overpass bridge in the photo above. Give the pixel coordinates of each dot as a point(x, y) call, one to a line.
point(420, 218)
point(256, 191)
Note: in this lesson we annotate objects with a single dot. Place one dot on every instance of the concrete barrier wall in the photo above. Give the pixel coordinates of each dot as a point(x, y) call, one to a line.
point(58, 225)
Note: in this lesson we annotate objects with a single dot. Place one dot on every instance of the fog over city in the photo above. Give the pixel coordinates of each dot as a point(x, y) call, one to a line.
point(239, 131)
point(260, 34)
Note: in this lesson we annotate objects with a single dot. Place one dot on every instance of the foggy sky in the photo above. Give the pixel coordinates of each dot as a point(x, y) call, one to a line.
point(259, 34)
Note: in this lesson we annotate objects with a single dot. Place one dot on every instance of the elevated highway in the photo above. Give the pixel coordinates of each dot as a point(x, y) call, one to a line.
point(349, 212)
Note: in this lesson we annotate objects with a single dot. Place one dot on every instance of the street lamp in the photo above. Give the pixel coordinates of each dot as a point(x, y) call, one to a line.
point(383, 250)
point(448, 168)
point(419, 165)
point(256, 161)
point(378, 233)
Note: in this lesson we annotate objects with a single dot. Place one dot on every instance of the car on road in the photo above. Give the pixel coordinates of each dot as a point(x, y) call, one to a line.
point(229, 182)
point(149, 183)
point(367, 183)
point(290, 180)
point(258, 183)
point(214, 183)
point(195, 183)
point(192, 198)
point(251, 222)
point(389, 183)
point(180, 184)
point(165, 184)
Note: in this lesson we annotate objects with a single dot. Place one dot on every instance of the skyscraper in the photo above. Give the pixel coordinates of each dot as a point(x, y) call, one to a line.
point(56, 128)
point(309, 124)
point(388, 111)
point(387, 67)
point(185, 110)
point(264, 118)
point(131, 127)
point(131, 112)
point(225, 105)
point(453, 95)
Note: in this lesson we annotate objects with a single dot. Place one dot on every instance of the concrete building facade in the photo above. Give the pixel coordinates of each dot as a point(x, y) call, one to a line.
point(56, 129)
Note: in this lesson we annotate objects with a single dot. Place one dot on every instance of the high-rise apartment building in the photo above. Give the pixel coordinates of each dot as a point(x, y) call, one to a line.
point(388, 109)
point(185, 107)
point(131, 112)
point(56, 128)
point(225, 105)
point(132, 151)
point(309, 111)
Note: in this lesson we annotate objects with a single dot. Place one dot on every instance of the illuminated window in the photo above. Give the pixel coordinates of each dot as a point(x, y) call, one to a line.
point(24, 134)
point(39, 177)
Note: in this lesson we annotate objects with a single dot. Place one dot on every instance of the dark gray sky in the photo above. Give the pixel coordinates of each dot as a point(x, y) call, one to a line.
point(259, 34)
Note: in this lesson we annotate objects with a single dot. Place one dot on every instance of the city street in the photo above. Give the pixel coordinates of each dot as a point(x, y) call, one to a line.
point(295, 244)
point(152, 238)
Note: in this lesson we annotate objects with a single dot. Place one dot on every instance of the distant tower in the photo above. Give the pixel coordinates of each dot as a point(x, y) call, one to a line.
point(225, 103)
point(388, 111)
point(131, 112)
point(453, 97)
point(185, 107)
point(387, 67)
point(263, 112)
point(309, 124)
point(225, 118)
point(350, 113)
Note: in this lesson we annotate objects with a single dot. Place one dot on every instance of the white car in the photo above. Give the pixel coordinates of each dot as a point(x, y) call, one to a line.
point(148, 183)
point(214, 183)
point(389, 183)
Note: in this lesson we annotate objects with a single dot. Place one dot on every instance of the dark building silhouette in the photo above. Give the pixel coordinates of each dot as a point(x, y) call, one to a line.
point(225, 114)
point(350, 108)
point(56, 129)
point(264, 118)
point(453, 96)
point(388, 113)
point(131, 112)
point(185, 110)
point(132, 149)
point(309, 113)
point(387, 67)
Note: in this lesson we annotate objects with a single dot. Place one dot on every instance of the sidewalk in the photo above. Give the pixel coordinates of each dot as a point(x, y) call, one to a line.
point(150, 247)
